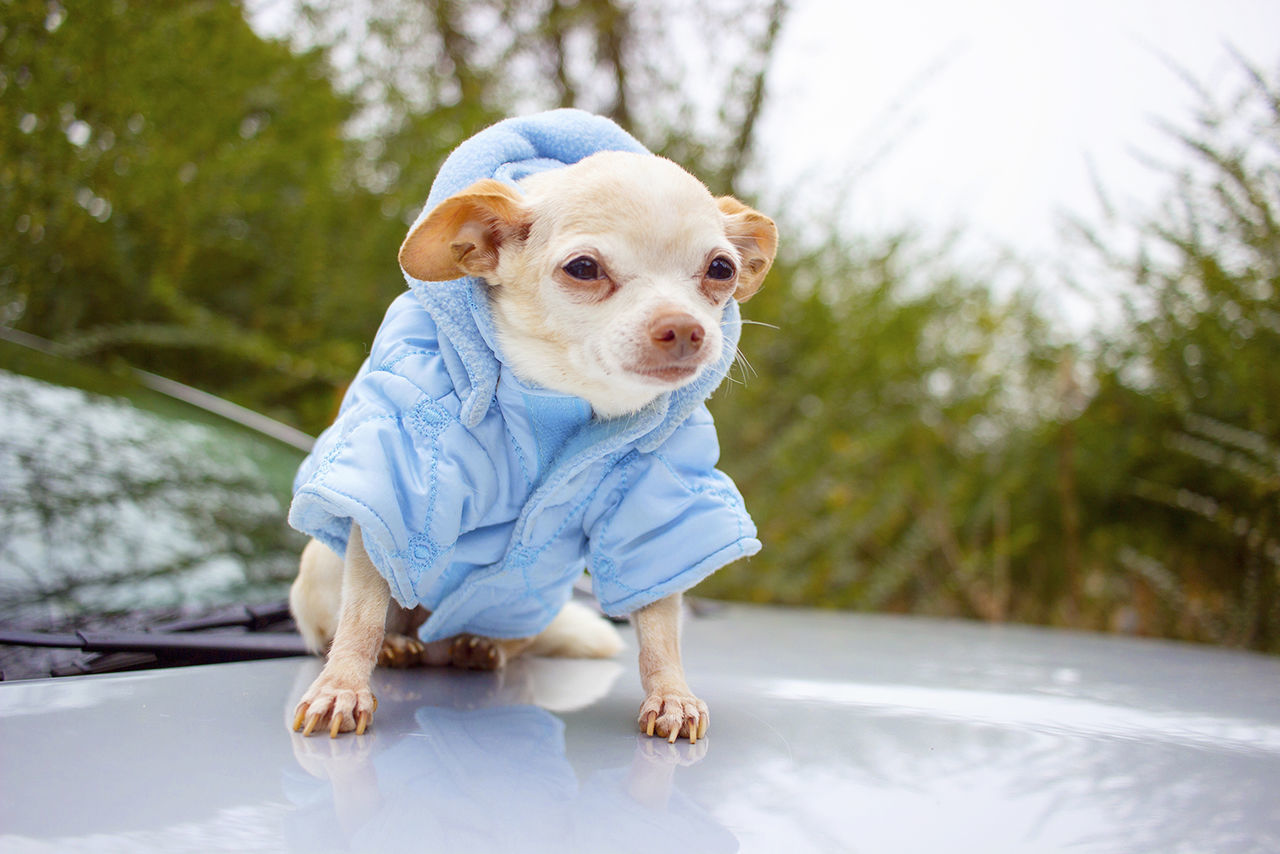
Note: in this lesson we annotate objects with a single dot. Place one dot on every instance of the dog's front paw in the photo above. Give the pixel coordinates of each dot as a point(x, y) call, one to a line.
point(671, 713)
point(346, 705)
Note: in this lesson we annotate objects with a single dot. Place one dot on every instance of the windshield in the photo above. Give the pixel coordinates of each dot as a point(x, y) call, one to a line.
point(118, 505)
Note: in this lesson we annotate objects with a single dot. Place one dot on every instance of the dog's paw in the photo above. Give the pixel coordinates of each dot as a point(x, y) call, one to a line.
point(400, 651)
point(671, 714)
point(343, 706)
point(474, 652)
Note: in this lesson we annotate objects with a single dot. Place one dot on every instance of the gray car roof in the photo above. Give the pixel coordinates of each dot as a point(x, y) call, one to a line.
point(830, 732)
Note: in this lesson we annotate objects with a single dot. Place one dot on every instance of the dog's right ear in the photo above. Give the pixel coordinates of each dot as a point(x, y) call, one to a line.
point(463, 235)
point(756, 238)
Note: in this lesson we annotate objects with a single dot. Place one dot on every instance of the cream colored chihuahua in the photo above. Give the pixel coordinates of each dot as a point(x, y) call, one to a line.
point(608, 281)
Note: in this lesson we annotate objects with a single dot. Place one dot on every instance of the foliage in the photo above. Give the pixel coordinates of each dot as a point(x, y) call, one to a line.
point(187, 196)
point(911, 443)
point(224, 209)
point(444, 68)
point(1188, 413)
point(883, 436)
point(180, 197)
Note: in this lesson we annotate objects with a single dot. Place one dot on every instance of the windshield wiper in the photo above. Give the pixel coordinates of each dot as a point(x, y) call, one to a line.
point(175, 644)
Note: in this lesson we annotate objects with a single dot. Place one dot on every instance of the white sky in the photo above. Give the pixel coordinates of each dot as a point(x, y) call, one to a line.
point(994, 108)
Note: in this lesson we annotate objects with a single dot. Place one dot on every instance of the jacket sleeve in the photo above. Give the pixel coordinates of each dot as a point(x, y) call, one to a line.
point(398, 463)
point(662, 521)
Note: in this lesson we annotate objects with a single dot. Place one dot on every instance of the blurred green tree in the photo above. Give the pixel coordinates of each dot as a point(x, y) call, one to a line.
point(909, 442)
point(426, 69)
point(881, 434)
point(178, 191)
point(224, 209)
point(188, 196)
point(1184, 433)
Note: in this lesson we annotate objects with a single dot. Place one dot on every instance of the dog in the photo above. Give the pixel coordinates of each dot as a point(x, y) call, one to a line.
point(607, 281)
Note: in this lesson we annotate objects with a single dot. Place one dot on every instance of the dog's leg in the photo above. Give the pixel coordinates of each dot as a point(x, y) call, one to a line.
point(315, 601)
point(400, 651)
point(670, 709)
point(472, 652)
point(576, 632)
point(315, 598)
point(341, 691)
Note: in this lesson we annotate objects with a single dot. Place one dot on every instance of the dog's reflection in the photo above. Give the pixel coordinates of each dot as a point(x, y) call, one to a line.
point(481, 765)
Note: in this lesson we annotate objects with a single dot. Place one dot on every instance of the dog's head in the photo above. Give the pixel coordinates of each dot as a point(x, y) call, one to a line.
point(608, 278)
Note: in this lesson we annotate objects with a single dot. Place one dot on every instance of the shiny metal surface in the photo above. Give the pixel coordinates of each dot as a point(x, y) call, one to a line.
point(829, 733)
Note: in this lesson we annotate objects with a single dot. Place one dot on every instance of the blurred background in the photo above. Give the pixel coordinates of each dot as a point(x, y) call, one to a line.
point(1017, 359)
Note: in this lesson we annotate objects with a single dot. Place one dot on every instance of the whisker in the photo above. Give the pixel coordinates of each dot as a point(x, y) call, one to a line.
point(728, 377)
point(726, 372)
point(742, 321)
point(744, 368)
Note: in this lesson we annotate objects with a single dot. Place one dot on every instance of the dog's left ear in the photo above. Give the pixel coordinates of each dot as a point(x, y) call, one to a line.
point(463, 235)
point(756, 239)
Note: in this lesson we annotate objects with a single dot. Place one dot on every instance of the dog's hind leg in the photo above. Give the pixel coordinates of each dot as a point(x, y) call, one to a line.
point(401, 647)
point(316, 596)
point(577, 632)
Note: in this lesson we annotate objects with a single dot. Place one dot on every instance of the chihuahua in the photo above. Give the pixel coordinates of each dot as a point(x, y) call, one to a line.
point(607, 280)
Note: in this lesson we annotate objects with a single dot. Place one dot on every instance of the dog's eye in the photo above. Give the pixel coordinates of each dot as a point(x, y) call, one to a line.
point(721, 269)
point(583, 268)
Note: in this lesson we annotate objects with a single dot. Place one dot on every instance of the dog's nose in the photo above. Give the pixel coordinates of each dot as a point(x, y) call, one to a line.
point(677, 335)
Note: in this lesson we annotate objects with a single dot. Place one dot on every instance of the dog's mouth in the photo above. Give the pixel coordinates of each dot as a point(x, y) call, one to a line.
point(672, 375)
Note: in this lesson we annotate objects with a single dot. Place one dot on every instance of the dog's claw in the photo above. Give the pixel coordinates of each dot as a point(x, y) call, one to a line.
point(400, 651)
point(673, 714)
point(473, 652)
point(336, 710)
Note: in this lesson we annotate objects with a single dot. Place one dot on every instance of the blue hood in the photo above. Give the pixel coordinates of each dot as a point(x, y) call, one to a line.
point(481, 497)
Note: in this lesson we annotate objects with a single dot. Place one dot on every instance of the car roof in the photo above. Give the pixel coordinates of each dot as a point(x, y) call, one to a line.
point(830, 732)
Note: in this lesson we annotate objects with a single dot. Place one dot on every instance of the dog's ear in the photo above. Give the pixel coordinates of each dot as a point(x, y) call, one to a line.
point(756, 239)
point(463, 235)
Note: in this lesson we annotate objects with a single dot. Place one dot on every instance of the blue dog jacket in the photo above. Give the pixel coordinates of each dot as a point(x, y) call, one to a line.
point(482, 498)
